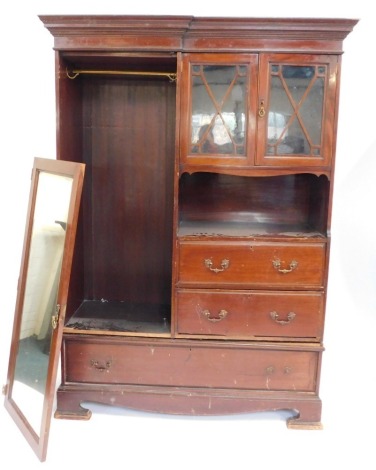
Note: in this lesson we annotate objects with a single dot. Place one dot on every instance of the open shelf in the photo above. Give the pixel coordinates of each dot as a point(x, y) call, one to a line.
point(125, 317)
point(214, 205)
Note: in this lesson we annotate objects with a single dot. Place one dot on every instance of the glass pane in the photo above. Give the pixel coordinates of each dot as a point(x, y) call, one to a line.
point(312, 109)
point(295, 110)
point(219, 96)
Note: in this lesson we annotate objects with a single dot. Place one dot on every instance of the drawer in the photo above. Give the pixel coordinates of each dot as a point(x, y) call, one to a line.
point(183, 363)
point(246, 264)
point(251, 315)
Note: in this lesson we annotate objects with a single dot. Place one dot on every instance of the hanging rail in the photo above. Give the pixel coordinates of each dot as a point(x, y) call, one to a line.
point(72, 74)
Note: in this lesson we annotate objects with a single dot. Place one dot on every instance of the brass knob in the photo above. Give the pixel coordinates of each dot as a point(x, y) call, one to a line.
point(261, 111)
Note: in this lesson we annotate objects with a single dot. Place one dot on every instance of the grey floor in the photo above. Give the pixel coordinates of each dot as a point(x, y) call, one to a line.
point(32, 362)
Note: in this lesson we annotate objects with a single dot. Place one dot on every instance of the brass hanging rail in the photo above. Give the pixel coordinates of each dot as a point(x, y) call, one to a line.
point(72, 74)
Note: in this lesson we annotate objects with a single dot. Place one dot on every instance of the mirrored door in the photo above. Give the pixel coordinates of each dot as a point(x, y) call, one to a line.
point(42, 294)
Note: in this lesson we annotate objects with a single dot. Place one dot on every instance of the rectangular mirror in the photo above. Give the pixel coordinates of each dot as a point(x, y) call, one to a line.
point(41, 298)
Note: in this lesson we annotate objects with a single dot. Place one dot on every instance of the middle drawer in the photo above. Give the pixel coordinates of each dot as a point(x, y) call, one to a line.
point(252, 264)
point(248, 314)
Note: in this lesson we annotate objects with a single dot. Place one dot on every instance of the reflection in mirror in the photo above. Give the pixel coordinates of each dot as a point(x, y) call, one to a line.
point(219, 94)
point(39, 308)
point(41, 298)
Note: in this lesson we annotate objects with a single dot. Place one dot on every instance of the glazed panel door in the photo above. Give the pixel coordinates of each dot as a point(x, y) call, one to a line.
point(218, 109)
point(296, 114)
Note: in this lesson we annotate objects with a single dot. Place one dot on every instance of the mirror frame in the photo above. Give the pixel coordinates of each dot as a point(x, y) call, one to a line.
point(76, 171)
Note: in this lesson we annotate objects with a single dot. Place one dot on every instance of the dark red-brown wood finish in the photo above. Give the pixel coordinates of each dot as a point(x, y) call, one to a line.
point(200, 273)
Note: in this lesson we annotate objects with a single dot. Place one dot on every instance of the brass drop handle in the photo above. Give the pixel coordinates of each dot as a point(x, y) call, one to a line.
point(261, 111)
point(101, 367)
point(271, 369)
point(277, 265)
point(221, 315)
point(290, 317)
point(225, 263)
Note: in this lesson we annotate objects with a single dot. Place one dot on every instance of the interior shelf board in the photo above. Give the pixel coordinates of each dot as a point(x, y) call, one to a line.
point(121, 316)
point(236, 229)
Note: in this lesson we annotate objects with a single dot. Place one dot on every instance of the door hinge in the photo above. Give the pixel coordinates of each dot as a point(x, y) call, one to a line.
point(55, 318)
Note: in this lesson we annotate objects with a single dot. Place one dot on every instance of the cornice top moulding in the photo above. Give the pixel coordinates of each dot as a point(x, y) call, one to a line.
point(188, 33)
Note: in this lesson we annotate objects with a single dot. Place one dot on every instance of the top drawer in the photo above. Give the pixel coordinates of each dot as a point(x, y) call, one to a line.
point(246, 264)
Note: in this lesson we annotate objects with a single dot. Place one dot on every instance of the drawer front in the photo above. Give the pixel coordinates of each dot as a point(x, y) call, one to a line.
point(250, 315)
point(247, 264)
point(188, 364)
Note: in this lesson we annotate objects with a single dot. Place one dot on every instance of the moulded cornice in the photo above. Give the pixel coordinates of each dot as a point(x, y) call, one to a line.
point(188, 33)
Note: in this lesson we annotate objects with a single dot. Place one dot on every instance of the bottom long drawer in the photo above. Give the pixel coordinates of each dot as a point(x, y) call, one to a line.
point(184, 363)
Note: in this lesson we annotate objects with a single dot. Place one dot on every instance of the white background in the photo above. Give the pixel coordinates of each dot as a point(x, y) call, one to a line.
point(136, 440)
